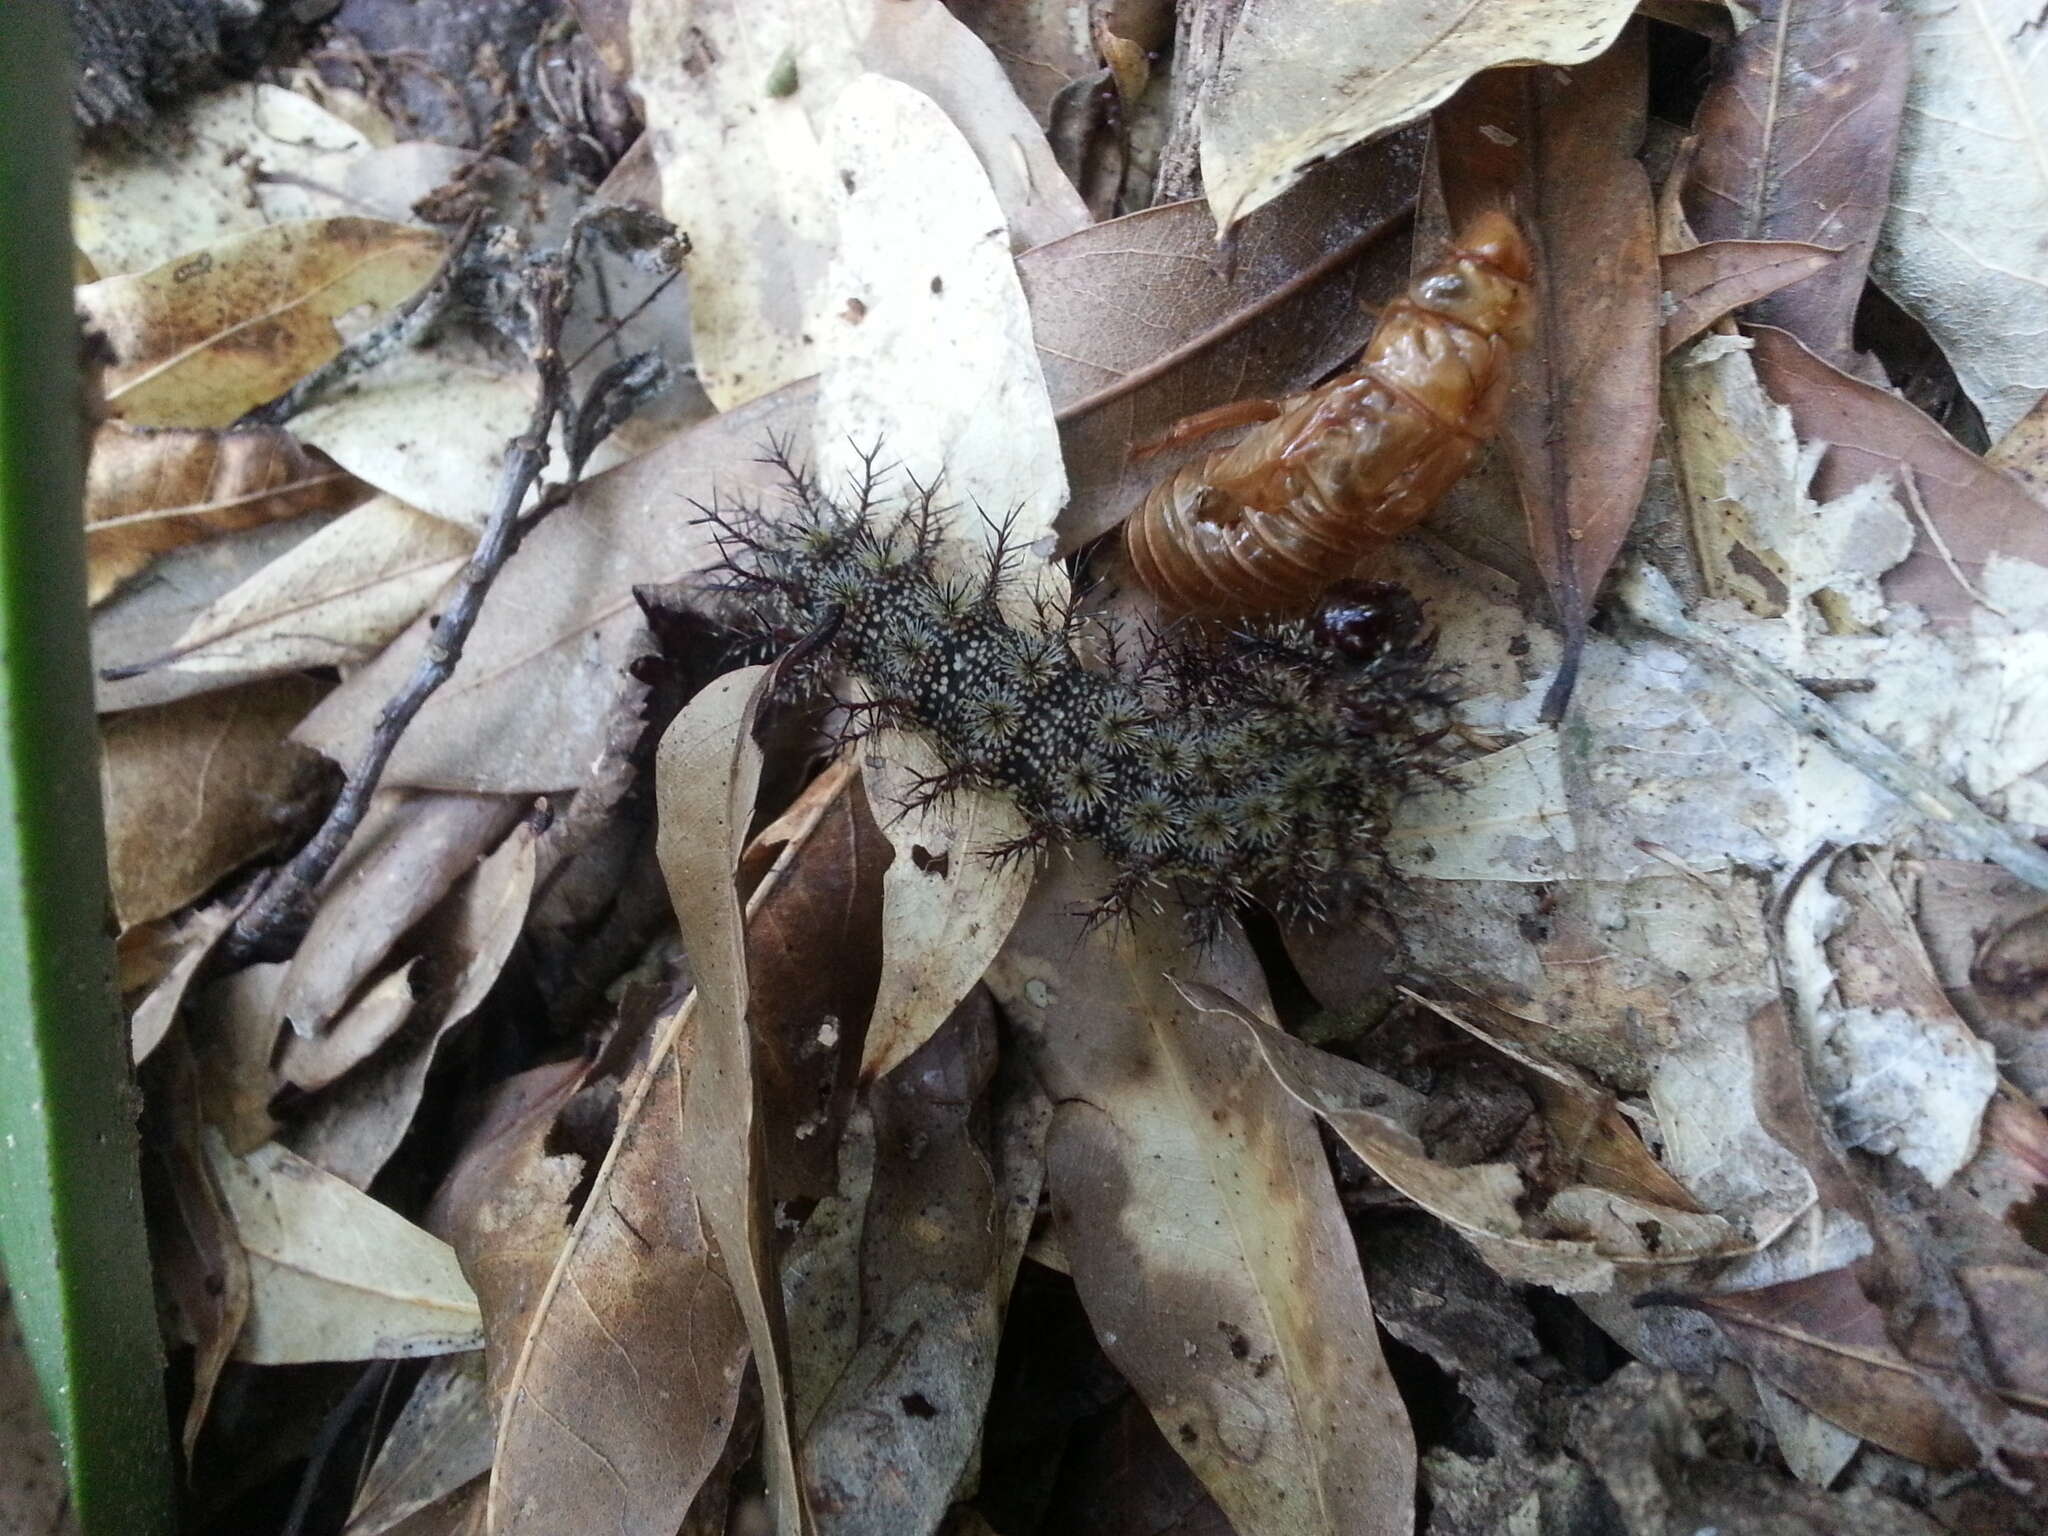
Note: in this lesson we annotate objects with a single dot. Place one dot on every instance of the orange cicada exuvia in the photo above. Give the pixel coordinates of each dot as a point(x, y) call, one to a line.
point(1327, 478)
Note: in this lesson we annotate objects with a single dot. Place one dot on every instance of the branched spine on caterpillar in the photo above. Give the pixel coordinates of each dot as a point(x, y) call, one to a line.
point(1259, 764)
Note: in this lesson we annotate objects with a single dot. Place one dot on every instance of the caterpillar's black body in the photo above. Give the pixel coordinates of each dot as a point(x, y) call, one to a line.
point(1261, 763)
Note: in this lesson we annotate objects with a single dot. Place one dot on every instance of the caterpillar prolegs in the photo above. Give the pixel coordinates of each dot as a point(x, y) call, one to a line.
point(1260, 762)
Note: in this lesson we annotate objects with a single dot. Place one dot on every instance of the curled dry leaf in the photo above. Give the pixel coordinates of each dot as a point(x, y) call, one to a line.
point(1302, 81)
point(332, 600)
point(201, 1264)
point(1795, 142)
point(191, 943)
point(196, 789)
point(1581, 426)
point(1707, 282)
point(147, 493)
point(1139, 323)
point(216, 332)
point(230, 161)
point(1193, 1203)
point(333, 1274)
point(409, 851)
point(233, 1031)
point(587, 1351)
point(707, 772)
point(359, 1123)
point(1379, 1119)
point(1971, 265)
point(312, 1062)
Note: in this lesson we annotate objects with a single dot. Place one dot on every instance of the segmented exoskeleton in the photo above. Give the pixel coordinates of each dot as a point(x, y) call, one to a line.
point(1310, 495)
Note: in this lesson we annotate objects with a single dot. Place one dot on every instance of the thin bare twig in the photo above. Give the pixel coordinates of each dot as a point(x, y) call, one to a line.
point(277, 917)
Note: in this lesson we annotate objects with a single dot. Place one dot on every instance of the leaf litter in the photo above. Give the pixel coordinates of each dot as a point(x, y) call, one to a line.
point(1671, 1098)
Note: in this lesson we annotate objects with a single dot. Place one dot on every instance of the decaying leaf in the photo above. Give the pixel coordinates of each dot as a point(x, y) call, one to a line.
point(1978, 513)
point(1192, 1201)
point(440, 1441)
point(198, 788)
point(333, 1274)
point(1970, 265)
point(1795, 142)
point(360, 1122)
point(238, 159)
point(216, 332)
point(1302, 80)
point(147, 493)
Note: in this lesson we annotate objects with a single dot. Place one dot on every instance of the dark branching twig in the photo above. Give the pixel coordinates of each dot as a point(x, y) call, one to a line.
point(533, 316)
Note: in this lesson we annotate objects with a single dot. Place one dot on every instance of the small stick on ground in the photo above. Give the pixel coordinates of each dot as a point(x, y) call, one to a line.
point(272, 924)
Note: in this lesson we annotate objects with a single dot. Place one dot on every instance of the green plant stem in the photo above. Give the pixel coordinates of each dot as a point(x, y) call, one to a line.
point(70, 1204)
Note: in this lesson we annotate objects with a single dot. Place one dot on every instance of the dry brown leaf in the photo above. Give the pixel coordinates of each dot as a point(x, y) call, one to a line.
point(147, 493)
point(1379, 1121)
point(1145, 294)
point(440, 1440)
point(1703, 284)
point(707, 771)
point(504, 1208)
point(1194, 1205)
point(333, 1274)
point(1871, 432)
point(216, 332)
point(312, 1062)
point(141, 621)
point(1796, 140)
point(1821, 1341)
point(530, 707)
point(410, 850)
point(195, 789)
point(1581, 425)
point(587, 1423)
point(1303, 81)
point(359, 1123)
point(331, 601)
